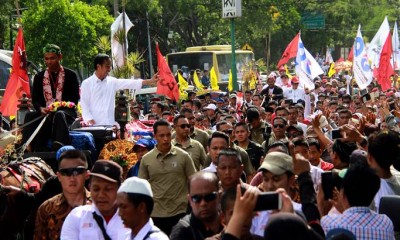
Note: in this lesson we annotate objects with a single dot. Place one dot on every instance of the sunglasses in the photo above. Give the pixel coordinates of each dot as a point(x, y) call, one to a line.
point(75, 171)
point(229, 131)
point(183, 126)
point(207, 197)
point(279, 125)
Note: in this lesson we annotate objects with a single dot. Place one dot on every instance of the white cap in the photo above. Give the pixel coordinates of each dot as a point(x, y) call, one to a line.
point(136, 185)
point(211, 106)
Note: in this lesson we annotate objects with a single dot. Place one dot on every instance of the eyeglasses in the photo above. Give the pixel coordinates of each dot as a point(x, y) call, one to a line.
point(183, 126)
point(292, 135)
point(228, 131)
point(75, 171)
point(279, 125)
point(207, 197)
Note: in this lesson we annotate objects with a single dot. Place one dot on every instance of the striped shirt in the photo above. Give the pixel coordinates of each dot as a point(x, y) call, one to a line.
point(362, 221)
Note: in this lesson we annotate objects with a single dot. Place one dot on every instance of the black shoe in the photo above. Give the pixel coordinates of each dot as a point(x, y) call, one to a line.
point(56, 145)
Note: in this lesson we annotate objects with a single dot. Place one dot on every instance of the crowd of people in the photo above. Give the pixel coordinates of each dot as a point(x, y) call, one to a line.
point(326, 156)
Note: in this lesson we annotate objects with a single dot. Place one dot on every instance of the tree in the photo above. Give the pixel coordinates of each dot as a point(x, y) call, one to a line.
point(73, 26)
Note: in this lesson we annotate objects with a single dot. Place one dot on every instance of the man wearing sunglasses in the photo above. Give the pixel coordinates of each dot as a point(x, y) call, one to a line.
point(72, 173)
point(196, 133)
point(279, 126)
point(204, 219)
point(183, 141)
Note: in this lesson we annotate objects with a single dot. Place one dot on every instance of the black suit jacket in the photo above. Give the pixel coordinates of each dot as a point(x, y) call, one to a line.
point(70, 89)
point(277, 92)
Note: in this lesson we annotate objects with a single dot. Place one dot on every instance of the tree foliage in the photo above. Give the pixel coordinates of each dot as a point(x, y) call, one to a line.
point(73, 26)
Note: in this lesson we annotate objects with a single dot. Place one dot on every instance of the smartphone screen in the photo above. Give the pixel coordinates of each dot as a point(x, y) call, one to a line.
point(363, 92)
point(327, 184)
point(268, 201)
point(336, 134)
point(288, 101)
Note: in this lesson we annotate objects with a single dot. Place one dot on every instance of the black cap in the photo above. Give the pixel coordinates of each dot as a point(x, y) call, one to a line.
point(107, 170)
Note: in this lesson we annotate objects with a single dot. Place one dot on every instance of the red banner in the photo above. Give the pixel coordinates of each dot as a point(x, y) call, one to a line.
point(290, 51)
point(385, 67)
point(19, 80)
point(167, 85)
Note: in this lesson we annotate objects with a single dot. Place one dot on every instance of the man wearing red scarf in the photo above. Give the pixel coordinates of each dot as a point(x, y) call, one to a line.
point(55, 84)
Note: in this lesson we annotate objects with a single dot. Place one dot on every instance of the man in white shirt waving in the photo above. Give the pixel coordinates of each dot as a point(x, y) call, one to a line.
point(98, 92)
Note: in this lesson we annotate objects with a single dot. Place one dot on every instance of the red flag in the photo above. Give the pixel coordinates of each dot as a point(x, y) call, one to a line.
point(167, 85)
point(19, 80)
point(351, 54)
point(385, 67)
point(290, 51)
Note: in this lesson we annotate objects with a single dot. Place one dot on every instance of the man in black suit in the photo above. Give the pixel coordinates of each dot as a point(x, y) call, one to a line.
point(55, 84)
point(272, 91)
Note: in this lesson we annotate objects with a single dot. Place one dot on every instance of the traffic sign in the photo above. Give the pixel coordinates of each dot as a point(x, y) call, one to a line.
point(247, 47)
point(312, 21)
point(231, 8)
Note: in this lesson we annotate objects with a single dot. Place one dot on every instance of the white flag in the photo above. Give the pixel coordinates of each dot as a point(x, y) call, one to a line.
point(307, 67)
point(361, 68)
point(375, 46)
point(117, 49)
point(396, 48)
point(328, 56)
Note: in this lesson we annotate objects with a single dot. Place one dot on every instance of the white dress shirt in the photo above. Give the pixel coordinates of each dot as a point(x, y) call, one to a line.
point(156, 233)
point(294, 94)
point(98, 97)
point(80, 225)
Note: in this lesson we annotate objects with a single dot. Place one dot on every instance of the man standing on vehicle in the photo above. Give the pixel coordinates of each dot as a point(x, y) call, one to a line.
point(55, 84)
point(98, 92)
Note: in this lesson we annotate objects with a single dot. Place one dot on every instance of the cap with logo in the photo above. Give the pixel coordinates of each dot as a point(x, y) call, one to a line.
point(107, 170)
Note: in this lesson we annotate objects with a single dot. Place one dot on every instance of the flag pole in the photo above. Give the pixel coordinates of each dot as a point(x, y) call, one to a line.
point(124, 50)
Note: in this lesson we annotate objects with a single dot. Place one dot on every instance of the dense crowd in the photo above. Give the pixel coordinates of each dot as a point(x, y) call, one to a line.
point(277, 162)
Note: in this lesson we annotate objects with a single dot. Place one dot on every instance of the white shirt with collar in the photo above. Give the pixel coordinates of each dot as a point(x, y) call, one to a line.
point(98, 97)
point(212, 168)
point(294, 94)
point(80, 225)
point(156, 233)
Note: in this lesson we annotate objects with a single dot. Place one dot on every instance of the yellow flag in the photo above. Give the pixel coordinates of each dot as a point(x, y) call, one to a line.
point(287, 72)
point(197, 82)
point(214, 79)
point(230, 81)
point(253, 81)
point(332, 70)
point(183, 85)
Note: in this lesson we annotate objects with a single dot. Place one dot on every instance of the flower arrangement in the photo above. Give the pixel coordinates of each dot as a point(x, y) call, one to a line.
point(55, 105)
point(121, 159)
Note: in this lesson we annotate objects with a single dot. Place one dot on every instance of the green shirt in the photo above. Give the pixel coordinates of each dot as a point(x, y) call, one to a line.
point(195, 150)
point(168, 176)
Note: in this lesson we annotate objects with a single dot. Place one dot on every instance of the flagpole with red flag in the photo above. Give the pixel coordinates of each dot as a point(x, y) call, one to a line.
point(18, 82)
point(290, 51)
point(385, 67)
point(167, 85)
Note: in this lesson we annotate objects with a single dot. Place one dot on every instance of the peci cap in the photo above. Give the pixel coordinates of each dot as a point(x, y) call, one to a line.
point(107, 170)
point(143, 142)
point(277, 163)
point(136, 185)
